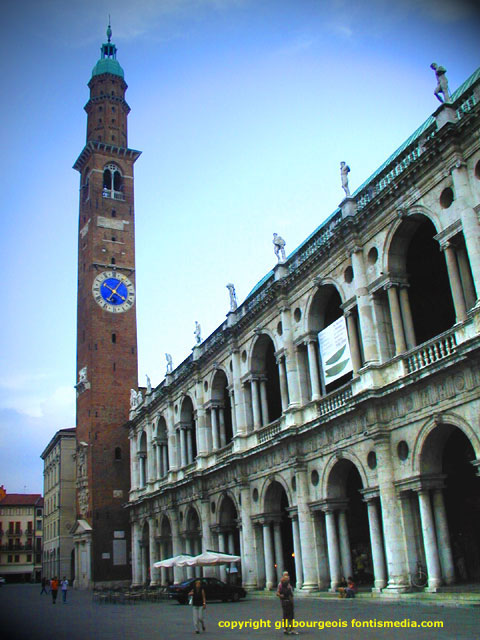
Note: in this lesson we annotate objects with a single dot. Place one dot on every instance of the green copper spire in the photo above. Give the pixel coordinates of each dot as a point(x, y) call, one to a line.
point(108, 62)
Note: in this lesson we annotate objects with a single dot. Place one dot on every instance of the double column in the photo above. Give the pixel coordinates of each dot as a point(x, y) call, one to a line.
point(455, 281)
point(376, 542)
point(338, 543)
point(436, 539)
point(258, 384)
point(219, 437)
point(401, 315)
point(161, 456)
point(272, 550)
point(185, 431)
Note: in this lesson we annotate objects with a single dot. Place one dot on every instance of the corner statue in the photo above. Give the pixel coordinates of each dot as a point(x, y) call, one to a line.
point(344, 171)
point(198, 333)
point(233, 297)
point(442, 83)
point(169, 363)
point(279, 247)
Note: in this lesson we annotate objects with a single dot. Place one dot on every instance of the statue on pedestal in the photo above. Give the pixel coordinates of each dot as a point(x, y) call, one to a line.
point(169, 363)
point(149, 385)
point(344, 171)
point(233, 297)
point(442, 83)
point(198, 333)
point(279, 247)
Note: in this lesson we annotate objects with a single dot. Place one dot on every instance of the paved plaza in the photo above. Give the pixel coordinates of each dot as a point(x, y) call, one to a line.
point(28, 616)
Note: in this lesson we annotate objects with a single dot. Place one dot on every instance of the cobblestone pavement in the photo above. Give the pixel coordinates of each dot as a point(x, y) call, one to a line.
point(26, 615)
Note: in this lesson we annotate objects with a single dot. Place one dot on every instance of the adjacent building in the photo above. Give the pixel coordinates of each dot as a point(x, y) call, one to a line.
point(21, 530)
point(330, 426)
point(59, 505)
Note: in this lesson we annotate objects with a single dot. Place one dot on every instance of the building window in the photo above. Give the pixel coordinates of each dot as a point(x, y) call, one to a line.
point(118, 453)
point(10, 558)
point(29, 557)
point(17, 558)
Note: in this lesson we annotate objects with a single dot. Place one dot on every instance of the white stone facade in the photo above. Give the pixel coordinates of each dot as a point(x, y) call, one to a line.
point(243, 449)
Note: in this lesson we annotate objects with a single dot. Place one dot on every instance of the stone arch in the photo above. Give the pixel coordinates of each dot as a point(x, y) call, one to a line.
point(265, 377)
point(188, 424)
point(414, 257)
point(226, 498)
point(332, 462)
point(280, 480)
point(427, 430)
point(221, 404)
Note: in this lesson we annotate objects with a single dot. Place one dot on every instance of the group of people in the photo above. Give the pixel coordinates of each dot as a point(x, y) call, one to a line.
point(54, 585)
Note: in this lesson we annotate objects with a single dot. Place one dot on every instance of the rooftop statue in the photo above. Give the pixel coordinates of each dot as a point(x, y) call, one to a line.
point(279, 247)
point(233, 297)
point(442, 83)
point(149, 385)
point(198, 333)
point(169, 363)
point(344, 171)
point(133, 399)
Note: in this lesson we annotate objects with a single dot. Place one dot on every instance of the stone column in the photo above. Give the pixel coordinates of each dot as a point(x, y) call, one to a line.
point(257, 417)
point(152, 545)
point(282, 375)
point(201, 423)
point(190, 549)
point(141, 460)
point(249, 576)
point(302, 371)
point(190, 433)
point(223, 435)
point(429, 540)
point(165, 459)
point(345, 552)
point(158, 460)
point(321, 549)
point(277, 539)
point(313, 369)
point(407, 318)
point(238, 408)
point(268, 555)
point(469, 218)
point(259, 556)
point(455, 283)
point(297, 550)
point(264, 401)
point(222, 546)
point(466, 277)
point(378, 559)
point(395, 551)
point(183, 448)
point(353, 342)
point(443, 537)
point(234, 414)
point(397, 325)
point(163, 556)
point(172, 440)
point(150, 475)
point(291, 370)
point(333, 551)
point(136, 556)
point(176, 545)
point(306, 529)
point(206, 541)
point(364, 306)
point(215, 439)
point(133, 463)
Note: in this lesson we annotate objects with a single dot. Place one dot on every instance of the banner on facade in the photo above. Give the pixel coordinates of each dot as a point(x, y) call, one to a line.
point(335, 360)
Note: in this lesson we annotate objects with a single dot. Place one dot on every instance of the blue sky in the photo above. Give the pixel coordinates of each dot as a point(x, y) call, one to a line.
point(243, 110)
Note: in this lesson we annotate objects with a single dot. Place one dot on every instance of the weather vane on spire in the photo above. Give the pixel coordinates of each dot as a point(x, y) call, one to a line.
point(109, 29)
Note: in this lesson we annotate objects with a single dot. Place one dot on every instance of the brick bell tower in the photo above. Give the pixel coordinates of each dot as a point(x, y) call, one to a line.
point(106, 330)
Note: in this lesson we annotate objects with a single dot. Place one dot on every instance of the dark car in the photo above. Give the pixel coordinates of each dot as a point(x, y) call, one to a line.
point(214, 590)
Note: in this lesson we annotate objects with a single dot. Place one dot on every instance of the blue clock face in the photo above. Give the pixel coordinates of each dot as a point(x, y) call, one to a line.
point(113, 291)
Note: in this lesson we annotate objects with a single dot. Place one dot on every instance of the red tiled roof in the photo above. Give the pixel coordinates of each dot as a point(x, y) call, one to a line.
point(21, 499)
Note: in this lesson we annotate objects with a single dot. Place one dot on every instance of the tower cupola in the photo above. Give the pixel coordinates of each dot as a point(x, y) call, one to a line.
point(108, 62)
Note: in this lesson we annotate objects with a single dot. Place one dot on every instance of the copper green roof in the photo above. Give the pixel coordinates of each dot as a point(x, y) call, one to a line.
point(108, 63)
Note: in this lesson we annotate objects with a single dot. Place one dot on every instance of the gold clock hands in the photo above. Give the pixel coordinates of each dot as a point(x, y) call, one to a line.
point(114, 291)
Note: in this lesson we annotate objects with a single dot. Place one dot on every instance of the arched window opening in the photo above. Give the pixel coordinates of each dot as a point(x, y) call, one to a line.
point(118, 453)
point(187, 433)
point(220, 412)
point(112, 183)
point(265, 383)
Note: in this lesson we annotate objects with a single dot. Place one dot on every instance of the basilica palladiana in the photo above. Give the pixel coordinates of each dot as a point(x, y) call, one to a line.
point(331, 425)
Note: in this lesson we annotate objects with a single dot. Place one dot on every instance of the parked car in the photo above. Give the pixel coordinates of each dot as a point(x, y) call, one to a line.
point(214, 590)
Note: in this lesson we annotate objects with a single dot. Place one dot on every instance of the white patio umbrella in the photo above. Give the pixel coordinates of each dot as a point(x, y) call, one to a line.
point(182, 560)
point(210, 558)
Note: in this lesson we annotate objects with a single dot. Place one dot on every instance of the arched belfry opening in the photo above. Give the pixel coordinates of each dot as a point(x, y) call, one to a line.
point(324, 310)
point(448, 502)
point(277, 536)
point(265, 383)
point(112, 182)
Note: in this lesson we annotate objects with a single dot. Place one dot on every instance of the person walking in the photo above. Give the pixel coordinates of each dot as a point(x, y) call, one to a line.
point(64, 585)
point(199, 604)
point(285, 593)
point(44, 586)
point(54, 589)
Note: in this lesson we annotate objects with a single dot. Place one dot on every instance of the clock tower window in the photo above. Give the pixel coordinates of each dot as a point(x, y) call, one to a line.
point(112, 183)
